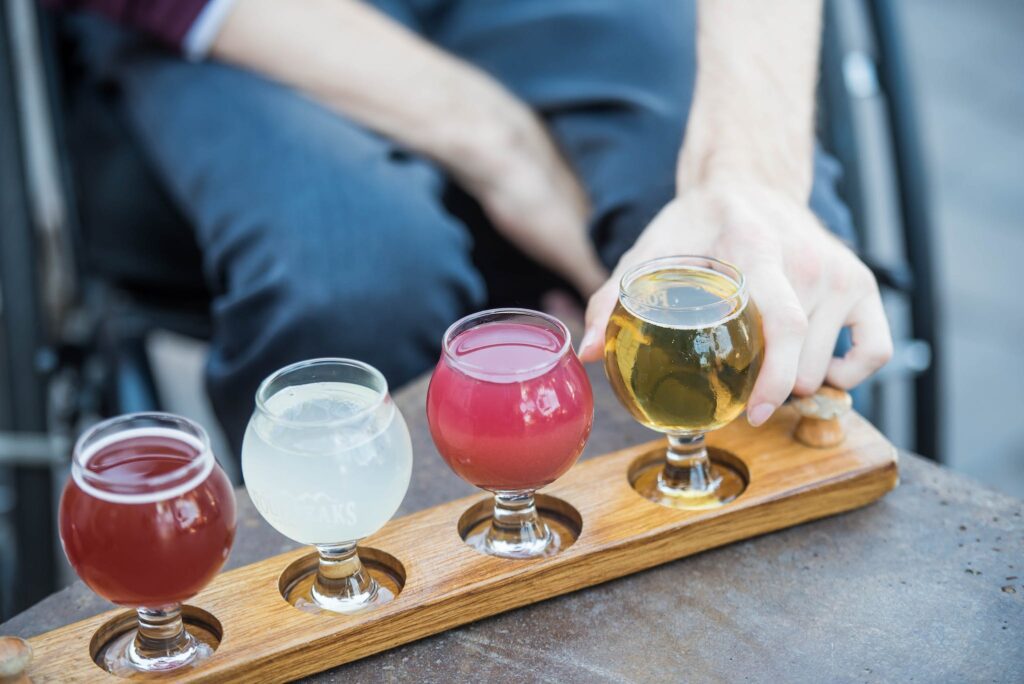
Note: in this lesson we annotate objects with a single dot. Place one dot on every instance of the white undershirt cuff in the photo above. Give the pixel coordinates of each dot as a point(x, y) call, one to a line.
point(199, 39)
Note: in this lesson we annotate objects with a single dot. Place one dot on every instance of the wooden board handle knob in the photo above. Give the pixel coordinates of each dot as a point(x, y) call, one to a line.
point(15, 655)
point(821, 416)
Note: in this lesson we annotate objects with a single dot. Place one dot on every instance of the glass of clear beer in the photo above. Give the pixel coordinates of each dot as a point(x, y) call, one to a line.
point(683, 349)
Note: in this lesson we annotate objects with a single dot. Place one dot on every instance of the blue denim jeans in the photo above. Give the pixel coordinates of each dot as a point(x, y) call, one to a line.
point(321, 238)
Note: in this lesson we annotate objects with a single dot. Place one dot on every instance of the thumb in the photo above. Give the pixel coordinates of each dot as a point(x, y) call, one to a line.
point(599, 309)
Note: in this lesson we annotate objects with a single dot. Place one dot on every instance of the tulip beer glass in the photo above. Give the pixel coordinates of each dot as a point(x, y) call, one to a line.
point(146, 520)
point(510, 409)
point(682, 351)
point(327, 460)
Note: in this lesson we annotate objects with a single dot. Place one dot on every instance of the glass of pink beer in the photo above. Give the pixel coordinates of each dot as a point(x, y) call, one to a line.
point(510, 409)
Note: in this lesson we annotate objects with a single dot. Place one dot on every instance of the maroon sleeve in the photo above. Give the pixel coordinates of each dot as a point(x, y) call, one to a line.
point(166, 20)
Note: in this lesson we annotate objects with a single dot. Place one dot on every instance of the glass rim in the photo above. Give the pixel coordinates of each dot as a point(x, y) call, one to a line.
point(167, 485)
point(463, 324)
point(381, 398)
point(683, 260)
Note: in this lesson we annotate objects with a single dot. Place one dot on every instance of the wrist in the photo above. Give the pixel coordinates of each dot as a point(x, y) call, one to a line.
point(742, 152)
point(732, 184)
point(722, 168)
point(484, 136)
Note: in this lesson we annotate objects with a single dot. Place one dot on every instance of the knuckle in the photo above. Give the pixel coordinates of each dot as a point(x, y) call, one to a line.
point(863, 274)
point(805, 385)
point(779, 382)
point(869, 360)
point(862, 279)
point(850, 276)
point(841, 381)
point(843, 280)
point(792, 319)
point(786, 388)
point(880, 354)
point(808, 268)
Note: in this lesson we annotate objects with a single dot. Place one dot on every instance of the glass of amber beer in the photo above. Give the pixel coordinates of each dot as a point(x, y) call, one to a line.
point(682, 351)
point(147, 520)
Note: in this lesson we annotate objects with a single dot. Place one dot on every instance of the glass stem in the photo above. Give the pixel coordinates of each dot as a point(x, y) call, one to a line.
point(516, 521)
point(687, 466)
point(161, 633)
point(341, 574)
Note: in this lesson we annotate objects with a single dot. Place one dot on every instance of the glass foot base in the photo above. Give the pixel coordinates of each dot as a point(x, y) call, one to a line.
point(550, 526)
point(315, 602)
point(560, 536)
point(121, 658)
point(298, 580)
point(727, 485)
point(530, 548)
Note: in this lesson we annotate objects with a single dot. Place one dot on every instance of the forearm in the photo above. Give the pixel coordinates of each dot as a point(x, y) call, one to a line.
point(753, 110)
point(362, 63)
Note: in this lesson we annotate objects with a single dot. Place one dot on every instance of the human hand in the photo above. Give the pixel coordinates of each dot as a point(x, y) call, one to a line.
point(806, 283)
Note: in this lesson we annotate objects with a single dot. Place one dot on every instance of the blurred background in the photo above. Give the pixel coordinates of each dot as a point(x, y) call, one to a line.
point(921, 100)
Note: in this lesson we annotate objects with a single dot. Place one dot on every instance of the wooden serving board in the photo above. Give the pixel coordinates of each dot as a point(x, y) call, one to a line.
point(448, 584)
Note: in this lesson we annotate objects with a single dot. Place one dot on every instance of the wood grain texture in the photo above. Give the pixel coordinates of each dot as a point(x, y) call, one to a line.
point(449, 584)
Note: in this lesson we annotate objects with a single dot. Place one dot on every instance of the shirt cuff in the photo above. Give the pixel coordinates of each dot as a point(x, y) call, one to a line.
point(200, 36)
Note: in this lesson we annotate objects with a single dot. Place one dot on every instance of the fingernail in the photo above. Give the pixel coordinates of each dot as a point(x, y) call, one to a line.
point(588, 339)
point(760, 413)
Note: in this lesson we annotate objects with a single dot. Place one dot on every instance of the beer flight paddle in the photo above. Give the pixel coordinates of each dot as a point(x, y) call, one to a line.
point(327, 459)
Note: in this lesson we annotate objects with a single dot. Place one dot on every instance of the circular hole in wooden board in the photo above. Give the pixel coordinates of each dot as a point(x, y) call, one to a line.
point(647, 465)
point(559, 515)
point(297, 579)
point(200, 624)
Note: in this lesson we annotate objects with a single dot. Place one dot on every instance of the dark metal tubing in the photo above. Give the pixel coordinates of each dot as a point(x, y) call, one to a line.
point(22, 399)
point(914, 210)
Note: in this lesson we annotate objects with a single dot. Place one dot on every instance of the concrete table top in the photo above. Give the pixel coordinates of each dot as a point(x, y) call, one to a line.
point(925, 585)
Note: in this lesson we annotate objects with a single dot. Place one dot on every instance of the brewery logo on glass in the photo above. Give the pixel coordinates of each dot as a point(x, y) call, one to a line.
point(278, 510)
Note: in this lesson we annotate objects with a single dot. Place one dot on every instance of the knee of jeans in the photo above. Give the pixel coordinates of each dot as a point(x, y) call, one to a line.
point(660, 51)
point(616, 226)
point(390, 312)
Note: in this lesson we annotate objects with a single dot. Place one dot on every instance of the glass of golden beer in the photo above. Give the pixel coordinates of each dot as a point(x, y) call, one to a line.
point(682, 351)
